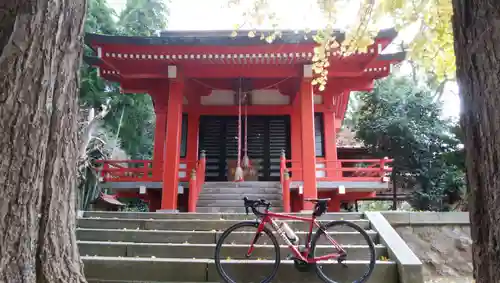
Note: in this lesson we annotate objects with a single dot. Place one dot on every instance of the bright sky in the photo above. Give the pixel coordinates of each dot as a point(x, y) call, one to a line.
point(299, 14)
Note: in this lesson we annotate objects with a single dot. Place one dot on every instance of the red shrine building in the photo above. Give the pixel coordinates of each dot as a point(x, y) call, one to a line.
point(220, 99)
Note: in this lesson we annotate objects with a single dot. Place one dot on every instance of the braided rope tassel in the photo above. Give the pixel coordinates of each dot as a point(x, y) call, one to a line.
point(246, 160)
point(238, 174)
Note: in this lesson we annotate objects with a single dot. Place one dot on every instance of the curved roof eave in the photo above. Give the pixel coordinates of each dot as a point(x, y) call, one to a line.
point(200, 38)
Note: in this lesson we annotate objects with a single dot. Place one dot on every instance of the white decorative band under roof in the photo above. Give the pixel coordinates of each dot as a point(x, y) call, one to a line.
point(283, 55)
point(378, 69)
point(367, 70)
point(110, 72)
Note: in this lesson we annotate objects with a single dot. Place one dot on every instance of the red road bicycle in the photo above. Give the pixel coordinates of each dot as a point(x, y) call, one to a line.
point(305, 257)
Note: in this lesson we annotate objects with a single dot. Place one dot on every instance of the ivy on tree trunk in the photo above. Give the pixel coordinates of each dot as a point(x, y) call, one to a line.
point(477, 47)
point(40, 56)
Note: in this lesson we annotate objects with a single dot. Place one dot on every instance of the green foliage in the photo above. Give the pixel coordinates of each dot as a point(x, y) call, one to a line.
point(143, 17)
point(139, 18)
point(134, 205)
point(100, 18)
point(374, 206)
point(137, 130)
point(100, 147)
point(402, 120)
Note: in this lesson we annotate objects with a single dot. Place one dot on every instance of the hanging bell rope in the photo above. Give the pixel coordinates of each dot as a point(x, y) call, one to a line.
point(246, 159)
point(238, 173)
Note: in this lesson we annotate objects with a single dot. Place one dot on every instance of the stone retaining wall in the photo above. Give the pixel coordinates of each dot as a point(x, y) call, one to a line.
point(441, 240)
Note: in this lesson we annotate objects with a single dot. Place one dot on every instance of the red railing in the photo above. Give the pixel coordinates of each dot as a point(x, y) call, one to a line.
point(139, 170)
point(125, 170)
point(376, 170)
point(196, 181)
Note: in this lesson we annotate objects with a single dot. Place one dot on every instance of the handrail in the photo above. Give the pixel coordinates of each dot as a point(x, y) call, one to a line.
point(285, 183)
point(192, 192)
point(196, 182)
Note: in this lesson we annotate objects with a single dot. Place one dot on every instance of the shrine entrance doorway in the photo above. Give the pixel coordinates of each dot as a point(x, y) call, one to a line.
point(267, 137)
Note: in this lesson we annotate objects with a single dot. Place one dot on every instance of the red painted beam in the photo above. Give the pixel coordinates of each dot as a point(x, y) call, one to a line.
point(232, 110)
point(236, 71)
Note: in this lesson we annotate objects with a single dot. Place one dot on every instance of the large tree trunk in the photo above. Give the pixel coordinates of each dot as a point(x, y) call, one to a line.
point(477, 47)
point(40, 55)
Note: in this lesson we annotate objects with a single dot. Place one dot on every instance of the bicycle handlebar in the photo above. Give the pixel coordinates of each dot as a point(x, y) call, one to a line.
point(254, 204)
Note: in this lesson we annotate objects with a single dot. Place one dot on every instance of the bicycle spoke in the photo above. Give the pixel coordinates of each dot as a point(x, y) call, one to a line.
point(335, 257)
point(242, 255)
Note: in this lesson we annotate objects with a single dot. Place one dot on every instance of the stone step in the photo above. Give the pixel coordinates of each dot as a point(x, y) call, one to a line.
point(240, 190)
point(229, 209)
point(216, 216)
point(192, 224)
point(198, 237)
point(231, 203)
point(201, 270)
point(248, 184)
point(134, 281)
point(159, 250)
point(239, 196)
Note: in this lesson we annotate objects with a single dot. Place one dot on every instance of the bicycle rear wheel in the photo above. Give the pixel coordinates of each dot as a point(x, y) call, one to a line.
point(232, 262)
point(359, 248)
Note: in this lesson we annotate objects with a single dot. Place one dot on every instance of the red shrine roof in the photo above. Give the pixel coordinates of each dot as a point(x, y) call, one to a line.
point(131, 57)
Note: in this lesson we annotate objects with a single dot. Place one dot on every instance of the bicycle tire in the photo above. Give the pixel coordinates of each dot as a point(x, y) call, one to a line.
point(371, 247)
point(228, 231)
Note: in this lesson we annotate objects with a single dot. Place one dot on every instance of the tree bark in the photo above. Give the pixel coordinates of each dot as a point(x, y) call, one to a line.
point(40, 55)
point(477, 46)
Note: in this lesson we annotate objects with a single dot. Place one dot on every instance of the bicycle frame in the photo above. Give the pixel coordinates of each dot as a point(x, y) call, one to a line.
point(268, 218)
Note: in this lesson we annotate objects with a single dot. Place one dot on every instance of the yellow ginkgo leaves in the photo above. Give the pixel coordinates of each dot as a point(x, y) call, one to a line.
point(431, 47)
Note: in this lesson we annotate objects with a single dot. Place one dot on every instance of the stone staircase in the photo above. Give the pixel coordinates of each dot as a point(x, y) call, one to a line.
point(227, 197)
point(160, 247)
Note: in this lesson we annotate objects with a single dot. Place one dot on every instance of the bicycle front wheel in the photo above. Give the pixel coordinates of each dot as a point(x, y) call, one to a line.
point(235, 261)
point(358, 246)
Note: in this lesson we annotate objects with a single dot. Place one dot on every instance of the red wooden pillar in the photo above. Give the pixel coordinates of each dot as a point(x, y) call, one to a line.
point(159, 96)
point(172, 154)
point(296, 139)
point(330, 143)
point(159, 142)
point(192, 137)
point(308, 138)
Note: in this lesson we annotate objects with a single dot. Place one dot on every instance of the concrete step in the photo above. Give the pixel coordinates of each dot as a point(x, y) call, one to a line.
point(128, 281)
point(216, 216)
point(239, 196)
point(161, 250)
point(197, 237)
point(248, 184)
point(240, 190)
point(192, 224)
point(201, 270)
point(231, 203)
point(229, 209)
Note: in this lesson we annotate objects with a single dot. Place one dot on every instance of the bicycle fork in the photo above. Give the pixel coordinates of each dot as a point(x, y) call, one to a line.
point(255, 239)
